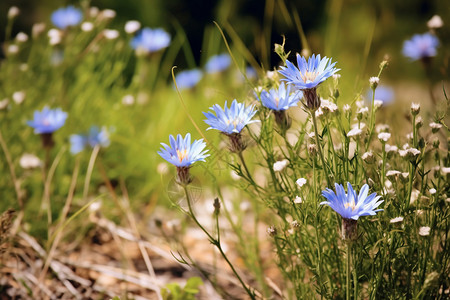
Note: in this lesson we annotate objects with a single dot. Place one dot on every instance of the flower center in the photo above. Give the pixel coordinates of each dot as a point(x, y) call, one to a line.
point(309, 76)
point(182, 154)
point(277, 101)
point(350, 204)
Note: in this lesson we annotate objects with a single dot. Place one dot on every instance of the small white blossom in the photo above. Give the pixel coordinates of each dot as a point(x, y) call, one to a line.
point(13, 12)
point(377, 103)
point(415, 108)
point(319, 112)
point(346, 108)
point(363, 110)
point(432, 191)
point(87, 26)
point(405, 175)
point(392, 173)
point(93, 11)
point(388, 148)
point(354, 132)
point(22, 37)
point(13, 49)
point(396, 220)
point(108, 14)
point(271, 75)
point(4, 103)
point(37, 29)
point(55, 36)
point(234, 175)
point(328, 105)
point(298, 200)
point(359, 104)
point(128, 100)
point(18, 97)
point(132, 26)
point(95, 206)
point(374, 82)
point(300, 182)
point(336, 76)
point(435, 22)
point(414, 196)
point(111, 34)
point(29, 161)
point(445, 170)
point(162, 168)
point(424, 231)
point(384, 136)
point(381, 128)
point(435, 126)
point(412, 152)
point(280, 165)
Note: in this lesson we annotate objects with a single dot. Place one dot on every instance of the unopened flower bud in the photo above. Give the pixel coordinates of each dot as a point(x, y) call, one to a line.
point(415, 109)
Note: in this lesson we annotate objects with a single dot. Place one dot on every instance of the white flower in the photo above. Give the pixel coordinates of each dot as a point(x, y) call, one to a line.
point(132, 26)
point(4, 103)
point(29, 161)
point(108, 14)
point(280, 165)
point(374, 81)
point(319, 112)
point(354, 132)
point(93, 11)
point(381, 128)
point(405, 175)
point(234, 175)
point(377, 103)
point(363, 110)
point(128, 100)
point(55, 36)
point(111, 34)
point(411, 152)
point(95, 206)
point(388, 148)
point(347, 108)
point(300, 182)
point(424, 231)
point(18, 97)
point(396, 220)
point(336, 76)
point(22, 37)
point(434, 125)
point(445, 170)
point(384, 136)
point(392, 173)
point(13, 12)
point(13, 49)
point(271, 74)
point(359, 104)
point(415, 108)
point(87, 26)
point(162, 168)
point(37, 29)
point(328, 105)
point(432, 191)
point(414, 196)
point(298, 200)
point(435, 22)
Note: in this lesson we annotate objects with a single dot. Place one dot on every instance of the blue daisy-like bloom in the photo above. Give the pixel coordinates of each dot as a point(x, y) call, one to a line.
point(281, 98)
point(383, 93)
point(181, 153)
point(350, 205)
point(230, 120)
point(151, 40)
point(218, 63)
point(96, 136)
point(309, 74)
point(188, 79)
point(66, 16)
point(48, 120)
point(420, 46)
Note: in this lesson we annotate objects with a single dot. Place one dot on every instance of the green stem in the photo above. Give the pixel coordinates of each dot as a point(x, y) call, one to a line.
point(348, 288)
point(372, 118)
point(216, 242)
point(316, 133)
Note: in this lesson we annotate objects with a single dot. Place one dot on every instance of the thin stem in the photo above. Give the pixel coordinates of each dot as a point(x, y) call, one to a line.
point(316, 133)
point(348, 287)
point(372, 118)
point(12, 171)
point(89, 171)
point(216, 242)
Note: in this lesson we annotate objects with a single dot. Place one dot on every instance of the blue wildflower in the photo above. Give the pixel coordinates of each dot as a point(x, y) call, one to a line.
point(230, 120)
point(188, 79)
point(382, 93)
point(251, 72)
point(350, 205)
point(309, 74)
point(95, 137)
point(66, 16)
point(150, 40)
point(218, 63)
point(181, 153)
point(281, 98)
point(47, 120)
point(420, 46)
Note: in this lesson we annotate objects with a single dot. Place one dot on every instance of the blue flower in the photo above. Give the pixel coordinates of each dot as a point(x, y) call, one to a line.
point(47, 120)
point(230, 120)
point(309, 74)
point(66, 16)
point(188, 79)
point(420, 46)
point(181, 153)
point(281, 98)
point(150, 40)
point(383, 93)
point(96, 136)
point(352, 206)
point(218, 63)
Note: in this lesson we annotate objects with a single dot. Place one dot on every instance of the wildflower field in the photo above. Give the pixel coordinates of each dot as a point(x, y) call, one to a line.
point(299, 151)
